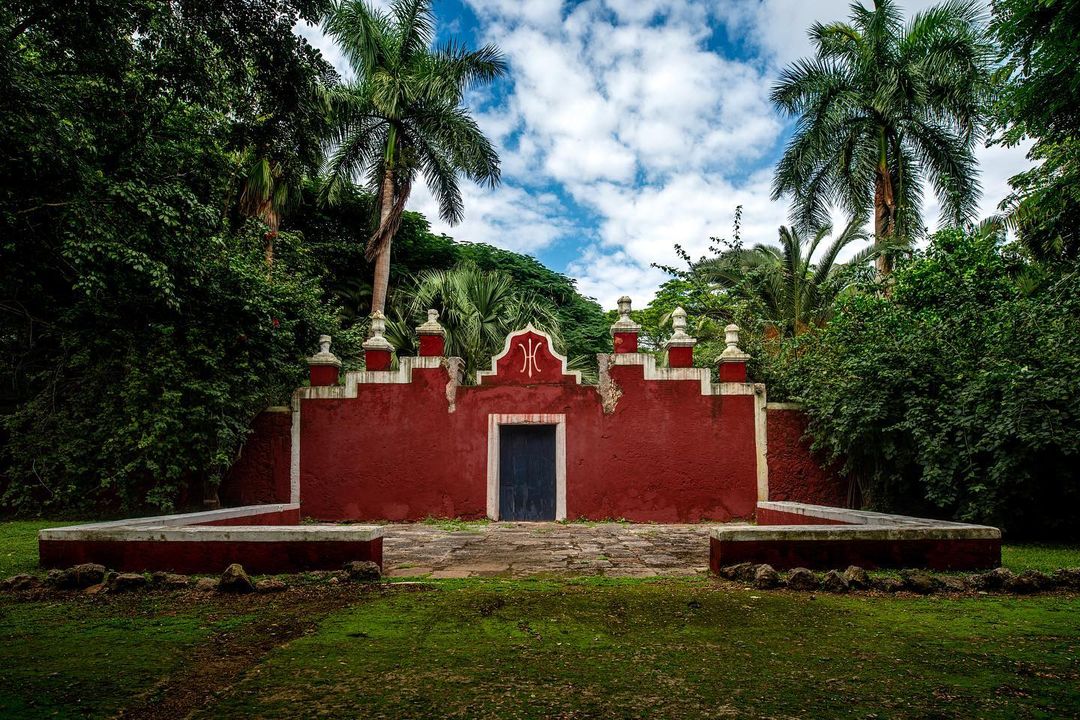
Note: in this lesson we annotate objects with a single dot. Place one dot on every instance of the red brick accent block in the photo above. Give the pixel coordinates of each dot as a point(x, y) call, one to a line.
point(625, 342)
point(432, 345)
point(680, 357)
point(732, 372)
point(323, 375)
point(377, 359)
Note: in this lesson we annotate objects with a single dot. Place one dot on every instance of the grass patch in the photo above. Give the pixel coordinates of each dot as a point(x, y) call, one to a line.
point(18, 544)
point(456, 525)
point(76, 658)
point(1046, 558)
point(671, 649)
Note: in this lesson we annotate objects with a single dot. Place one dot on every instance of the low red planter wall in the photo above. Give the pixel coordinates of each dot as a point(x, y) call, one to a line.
point(210, 557)
point(952, 554)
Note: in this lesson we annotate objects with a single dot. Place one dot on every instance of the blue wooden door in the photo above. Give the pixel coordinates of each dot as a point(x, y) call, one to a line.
point(527, 472)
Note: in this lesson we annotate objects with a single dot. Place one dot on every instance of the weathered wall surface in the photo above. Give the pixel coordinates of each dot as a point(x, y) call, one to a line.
point(667, 453)
point(795, 473)
point(652, 444)
point(261, 474)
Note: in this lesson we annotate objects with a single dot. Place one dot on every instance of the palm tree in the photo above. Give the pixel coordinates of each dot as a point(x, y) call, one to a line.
point(478, 309)
point(783, 284)
point(880, 109)
point(402, 115)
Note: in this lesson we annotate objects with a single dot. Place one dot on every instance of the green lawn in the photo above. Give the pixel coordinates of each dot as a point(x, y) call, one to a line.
point(680, 648)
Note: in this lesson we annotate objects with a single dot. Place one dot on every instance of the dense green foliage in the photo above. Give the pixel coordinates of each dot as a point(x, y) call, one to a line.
point(959, 394)
point(140, 327)
point(148, 153)
point(883, 108)
point(1039, 99)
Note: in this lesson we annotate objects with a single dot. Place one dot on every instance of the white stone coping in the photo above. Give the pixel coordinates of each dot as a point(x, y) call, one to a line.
point(227, 533)
point(856, 517)
point(863, 525)
point(794, 533)
point(182, 528)
point(700, 375)
point(784, 406)
point(180, 519)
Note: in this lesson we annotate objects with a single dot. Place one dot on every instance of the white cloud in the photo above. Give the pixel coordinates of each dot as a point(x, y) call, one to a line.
point(622, 106)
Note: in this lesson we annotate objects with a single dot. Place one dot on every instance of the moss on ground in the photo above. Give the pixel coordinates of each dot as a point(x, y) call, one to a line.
point(672, 649)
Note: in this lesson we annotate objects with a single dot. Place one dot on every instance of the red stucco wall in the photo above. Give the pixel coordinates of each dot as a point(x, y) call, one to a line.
point(795, 473)
point(667, 453)
point(261, 474)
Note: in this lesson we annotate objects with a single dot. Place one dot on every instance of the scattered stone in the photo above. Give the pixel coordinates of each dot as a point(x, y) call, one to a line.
point(205, 584)
point(995, 579)
point(169, 581)
point(889, 584)
point(919, 581)
point(77, 577)
point(1068, 578)
point(270, 585)
point(834, 582)
point(21, 582)
point(126, 582)
point(1027, 582)
point(96, 589)
point(734, 572)
point(802, 579)
point(235, 580)
point(953, 583)
point(857, 578)
point(363, 571)
point(765, 577)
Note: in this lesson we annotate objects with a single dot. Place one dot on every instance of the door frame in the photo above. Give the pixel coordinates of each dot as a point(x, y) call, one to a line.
point(497, 419)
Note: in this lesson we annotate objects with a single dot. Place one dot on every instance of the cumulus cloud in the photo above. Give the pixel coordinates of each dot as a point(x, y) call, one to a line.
point(634, 112)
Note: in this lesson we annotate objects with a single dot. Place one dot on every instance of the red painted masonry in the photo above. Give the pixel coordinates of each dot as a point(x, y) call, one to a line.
point(323, 375)
point(795, 474)
point(665, 453)
point(209, 557)
point(625, 342)
point(261, 473)
point(951, 554)
point(432, 345)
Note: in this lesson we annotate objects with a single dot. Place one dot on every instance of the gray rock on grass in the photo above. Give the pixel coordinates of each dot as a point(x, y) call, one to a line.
point(235, 580)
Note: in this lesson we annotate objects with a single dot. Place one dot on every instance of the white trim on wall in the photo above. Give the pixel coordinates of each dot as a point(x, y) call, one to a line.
point(294, 455)
point(761, 444)
point(497, 419)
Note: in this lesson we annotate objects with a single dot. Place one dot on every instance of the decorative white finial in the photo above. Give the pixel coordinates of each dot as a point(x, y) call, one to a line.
point(324, 356)
point(679, 338)
point(624, 324)
point(732, 351)
point(432, 326)
point(376, 341)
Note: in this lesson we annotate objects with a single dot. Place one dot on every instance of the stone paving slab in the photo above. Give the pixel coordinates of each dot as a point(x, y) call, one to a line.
point(510, 549)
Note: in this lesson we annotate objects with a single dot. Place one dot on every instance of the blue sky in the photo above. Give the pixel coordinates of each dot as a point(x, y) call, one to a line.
point(626, 126)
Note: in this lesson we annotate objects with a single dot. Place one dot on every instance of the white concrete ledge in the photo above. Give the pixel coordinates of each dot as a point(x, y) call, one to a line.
point(855, 517)
point(794, 533)
point(203, 533)
point(181, 519)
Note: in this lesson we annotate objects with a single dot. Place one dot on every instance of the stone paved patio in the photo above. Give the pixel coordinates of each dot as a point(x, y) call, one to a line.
point(519, 549)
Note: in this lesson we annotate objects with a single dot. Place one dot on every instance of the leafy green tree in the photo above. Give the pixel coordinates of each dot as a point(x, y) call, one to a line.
point(958, 395)
point(1039, 98)
point(478, 309)
point(403, 116)
point(784, 285)
point(139, 329)
point(882, 108)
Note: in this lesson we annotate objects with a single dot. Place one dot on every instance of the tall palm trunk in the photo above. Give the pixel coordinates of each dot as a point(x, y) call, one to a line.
point(884, 218)
point(382, 258)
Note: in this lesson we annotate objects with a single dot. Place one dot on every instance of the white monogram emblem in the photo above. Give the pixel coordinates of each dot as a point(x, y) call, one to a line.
point(528, 363)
